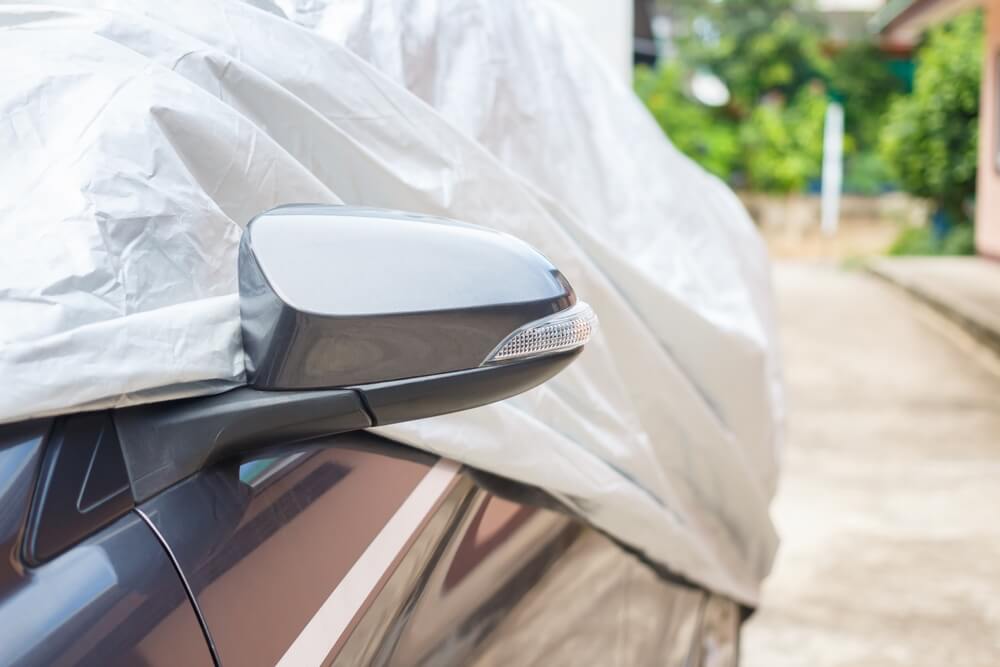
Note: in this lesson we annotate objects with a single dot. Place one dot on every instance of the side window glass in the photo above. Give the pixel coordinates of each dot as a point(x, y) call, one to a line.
point(258, 473)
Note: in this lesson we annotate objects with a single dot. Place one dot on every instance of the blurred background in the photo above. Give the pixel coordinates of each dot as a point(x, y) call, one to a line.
point(753, 90)
point(864, 138)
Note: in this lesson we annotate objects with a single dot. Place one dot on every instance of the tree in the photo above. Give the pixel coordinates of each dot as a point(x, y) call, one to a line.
point(773, 58)
point(783, 143)
point(861, 77)
point(930, 136)
point(758, 47)
point(768, 52)
point(701, 133)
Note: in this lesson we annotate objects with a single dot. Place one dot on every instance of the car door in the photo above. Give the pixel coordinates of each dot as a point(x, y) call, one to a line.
point(514, 583)
point(351, 550)
point(356, 550)
point(84, 580)
point(293, 558)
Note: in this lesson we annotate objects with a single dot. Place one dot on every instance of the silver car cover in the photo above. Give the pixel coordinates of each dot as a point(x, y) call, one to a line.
point(141, 136)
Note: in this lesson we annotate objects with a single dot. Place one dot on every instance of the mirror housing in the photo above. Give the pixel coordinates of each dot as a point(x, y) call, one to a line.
point(354, 318)
point(337, 296)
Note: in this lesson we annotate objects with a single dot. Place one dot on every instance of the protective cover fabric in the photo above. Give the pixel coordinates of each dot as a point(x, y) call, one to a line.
point(142, 136)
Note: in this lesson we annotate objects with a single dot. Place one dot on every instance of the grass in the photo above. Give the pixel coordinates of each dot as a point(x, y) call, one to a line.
point(958, 240)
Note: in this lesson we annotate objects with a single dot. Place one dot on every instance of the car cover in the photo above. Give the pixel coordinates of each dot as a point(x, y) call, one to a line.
point(142, 136)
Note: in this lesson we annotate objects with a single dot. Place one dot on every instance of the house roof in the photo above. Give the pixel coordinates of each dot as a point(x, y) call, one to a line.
point(902, 22)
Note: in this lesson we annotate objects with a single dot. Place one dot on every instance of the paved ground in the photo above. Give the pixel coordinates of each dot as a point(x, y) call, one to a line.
point(890, 503)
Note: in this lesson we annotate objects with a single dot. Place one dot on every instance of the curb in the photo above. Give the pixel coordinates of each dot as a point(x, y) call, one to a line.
point(982, 332)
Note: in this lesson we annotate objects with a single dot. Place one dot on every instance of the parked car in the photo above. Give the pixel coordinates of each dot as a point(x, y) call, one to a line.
point(266, 525)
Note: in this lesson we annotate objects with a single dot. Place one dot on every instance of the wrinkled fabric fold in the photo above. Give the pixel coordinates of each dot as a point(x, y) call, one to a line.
point(142, 136)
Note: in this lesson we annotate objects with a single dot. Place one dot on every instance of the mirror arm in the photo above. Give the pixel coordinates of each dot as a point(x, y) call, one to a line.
point(164, 443)
point(167, 442)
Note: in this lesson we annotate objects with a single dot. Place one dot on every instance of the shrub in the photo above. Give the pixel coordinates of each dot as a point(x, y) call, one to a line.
point(866, 174)
point(957, 240)
point(783, 143)
point(929, 140)
point(758, 47)
point(862, 77)
point(699, 132)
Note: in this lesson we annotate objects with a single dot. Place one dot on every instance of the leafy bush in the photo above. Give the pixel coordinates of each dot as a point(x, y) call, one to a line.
point(698, 131)
point(862, 78)
point(770, 55)
point(757, 47)
point(778, 148)
point(866, 174)
point(929, 140)
point(783, 143)
point(958, 240)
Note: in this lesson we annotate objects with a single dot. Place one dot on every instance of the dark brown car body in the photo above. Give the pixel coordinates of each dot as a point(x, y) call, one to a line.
point(354, 550)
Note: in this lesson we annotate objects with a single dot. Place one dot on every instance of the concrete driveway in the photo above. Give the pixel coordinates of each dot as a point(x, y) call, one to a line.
point(889, 507)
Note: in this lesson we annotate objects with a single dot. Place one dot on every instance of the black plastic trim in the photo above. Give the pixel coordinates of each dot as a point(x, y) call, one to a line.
point(416, 398)
point(167, 442)
point(82, 486)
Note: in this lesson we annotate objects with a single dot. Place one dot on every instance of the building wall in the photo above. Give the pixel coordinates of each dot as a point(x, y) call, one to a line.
point(988, 185)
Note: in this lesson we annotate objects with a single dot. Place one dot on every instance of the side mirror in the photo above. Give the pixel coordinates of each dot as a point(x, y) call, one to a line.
point(422, 315)
point(357, 317)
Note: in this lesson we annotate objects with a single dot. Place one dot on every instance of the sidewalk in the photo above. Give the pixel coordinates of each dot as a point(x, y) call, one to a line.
point(890, 547)
point(963, 289)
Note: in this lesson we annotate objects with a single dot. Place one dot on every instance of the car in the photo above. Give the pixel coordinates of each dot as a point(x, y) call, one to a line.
point(268, 525)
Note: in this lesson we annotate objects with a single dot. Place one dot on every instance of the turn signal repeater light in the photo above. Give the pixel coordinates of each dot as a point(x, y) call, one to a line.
point(566, 330)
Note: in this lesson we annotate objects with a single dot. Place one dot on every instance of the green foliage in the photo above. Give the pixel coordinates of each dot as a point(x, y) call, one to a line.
point(756, 46)
point(863, 78)
point(914, 241)
point(959, 240)
point(783, 143)
point(770, 55)
point(705, 136)
point(929, 140)
point(777, 148)
point(866, 174)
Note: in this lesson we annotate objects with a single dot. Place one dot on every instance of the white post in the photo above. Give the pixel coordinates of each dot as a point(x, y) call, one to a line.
point(833, 167)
